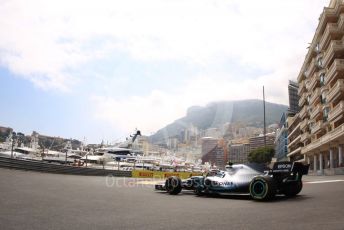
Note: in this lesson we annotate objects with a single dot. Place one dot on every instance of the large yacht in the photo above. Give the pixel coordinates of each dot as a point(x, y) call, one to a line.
point(105, 155)
point(21, 152)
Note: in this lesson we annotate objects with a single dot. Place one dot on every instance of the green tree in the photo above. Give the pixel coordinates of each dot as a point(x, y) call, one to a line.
point(261, 155)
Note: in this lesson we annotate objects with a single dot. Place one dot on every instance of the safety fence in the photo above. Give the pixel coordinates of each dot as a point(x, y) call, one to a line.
point(40, 166)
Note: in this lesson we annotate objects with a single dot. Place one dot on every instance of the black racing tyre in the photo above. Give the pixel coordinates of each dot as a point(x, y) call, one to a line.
point(198, 184)
point(292, 188)
point(199, 191)
point(173, 185)
point(263, 188)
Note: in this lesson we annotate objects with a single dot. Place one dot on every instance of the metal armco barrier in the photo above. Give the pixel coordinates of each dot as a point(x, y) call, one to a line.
point(34, 165)
point(163, 175)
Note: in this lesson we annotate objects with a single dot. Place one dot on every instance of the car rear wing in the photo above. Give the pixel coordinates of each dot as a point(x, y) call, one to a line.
point(289, 167)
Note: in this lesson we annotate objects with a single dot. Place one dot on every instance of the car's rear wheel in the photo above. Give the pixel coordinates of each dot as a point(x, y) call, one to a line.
point(173, 185)
point(293, 188)
point(263, 188)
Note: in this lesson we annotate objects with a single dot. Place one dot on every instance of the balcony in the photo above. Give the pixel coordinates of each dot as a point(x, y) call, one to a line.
point(332, 32)
point(302, 74)
point(302, 100)
point(303, 124)
point(301, 88)
point(316, 128)
point(315, 96)
point(316, 111)
point(332, 52)
point(340, 23)
point(324, 89)
point(303, 112)
point(305, 136)
point(314, 82)
point(311, 69)
point(336, 111)
point(294, 141)
point(336, 90)
point(323, 141)
point(293, 122)
point(294, 131)
point(313, 50)
point(336, 68)
point(329, 15)
point(294, 152)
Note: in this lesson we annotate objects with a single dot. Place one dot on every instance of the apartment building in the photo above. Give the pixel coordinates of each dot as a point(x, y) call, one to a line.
point(294, 138)
point(293, 98)
point(319, 125)
point(260, 141)
point(214, 151)
point(238, 153)
point(293, 125)
point(281, 140)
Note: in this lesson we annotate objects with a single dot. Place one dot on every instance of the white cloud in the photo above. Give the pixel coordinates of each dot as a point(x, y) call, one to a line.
point(157, 109)
point(256, 33)
point(42, 41)
point(145, 113)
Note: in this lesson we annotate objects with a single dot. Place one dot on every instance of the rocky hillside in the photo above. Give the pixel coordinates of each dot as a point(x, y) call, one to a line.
point(216, 114)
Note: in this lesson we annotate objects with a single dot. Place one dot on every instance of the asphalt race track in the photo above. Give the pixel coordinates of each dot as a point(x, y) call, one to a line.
point(31, 200)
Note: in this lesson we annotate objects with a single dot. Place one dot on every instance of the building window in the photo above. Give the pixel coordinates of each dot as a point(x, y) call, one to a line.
point(310, 110)
point(325, 113)
point(317, 48)
point(323, 98)
point(322, 79)
point(319, 62)
point(305, 73)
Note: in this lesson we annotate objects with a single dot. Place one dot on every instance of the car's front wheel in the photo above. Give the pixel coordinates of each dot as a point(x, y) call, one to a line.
point(173, 185)
point(263, 188)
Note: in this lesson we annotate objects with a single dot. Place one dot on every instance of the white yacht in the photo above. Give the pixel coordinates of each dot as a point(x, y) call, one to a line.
point(21, 152)
point(114, 153)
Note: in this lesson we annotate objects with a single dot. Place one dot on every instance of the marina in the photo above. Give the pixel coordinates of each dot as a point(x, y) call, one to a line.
point(108, 158)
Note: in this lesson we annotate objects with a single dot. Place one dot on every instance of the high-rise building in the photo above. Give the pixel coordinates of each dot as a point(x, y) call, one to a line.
point(238, 153)
point(213, 132)
point(293, 131)
point(294, 138)
point(259, 141)
point(321, 91)
point(172, 143)
point(214, 151)
point(281, 141)
point(293, 98)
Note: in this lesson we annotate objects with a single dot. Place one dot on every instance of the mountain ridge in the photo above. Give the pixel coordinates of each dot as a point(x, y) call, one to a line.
point(215, 114)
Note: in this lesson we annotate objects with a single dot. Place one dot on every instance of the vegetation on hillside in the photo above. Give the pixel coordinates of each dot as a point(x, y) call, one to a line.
point(261, 155)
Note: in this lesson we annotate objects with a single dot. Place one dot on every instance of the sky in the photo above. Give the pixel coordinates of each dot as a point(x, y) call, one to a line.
point(97, 70)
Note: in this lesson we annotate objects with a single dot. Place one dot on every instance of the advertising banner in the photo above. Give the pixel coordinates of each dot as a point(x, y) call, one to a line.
point(162, 175)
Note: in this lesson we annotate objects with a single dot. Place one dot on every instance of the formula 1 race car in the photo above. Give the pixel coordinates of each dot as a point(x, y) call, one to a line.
point(283, 178)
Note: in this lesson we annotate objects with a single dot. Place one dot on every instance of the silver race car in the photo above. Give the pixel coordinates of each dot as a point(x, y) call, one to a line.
point(284, 178)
